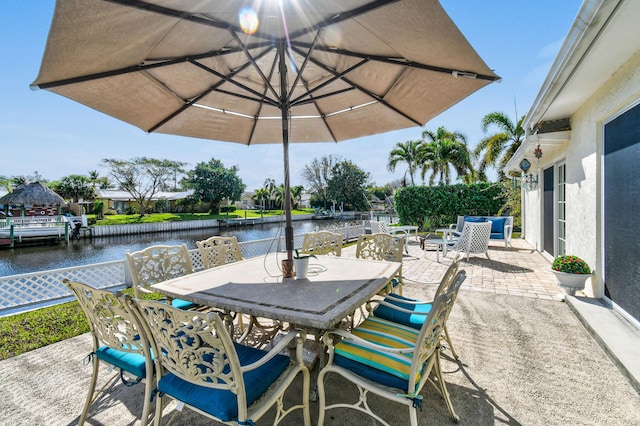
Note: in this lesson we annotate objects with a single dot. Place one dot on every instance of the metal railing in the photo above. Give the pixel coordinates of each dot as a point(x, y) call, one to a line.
point(24, 292)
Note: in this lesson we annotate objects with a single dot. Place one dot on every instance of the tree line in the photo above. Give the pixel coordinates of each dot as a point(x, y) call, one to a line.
point(330, 180)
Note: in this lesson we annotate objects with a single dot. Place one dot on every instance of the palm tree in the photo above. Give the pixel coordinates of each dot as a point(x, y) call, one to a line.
point(278, 193)
point(296, 194)
point(444, 150)
point(261, 195)
point(407, 152)
point(94, 176)
point(497, 149)
point(270, 186)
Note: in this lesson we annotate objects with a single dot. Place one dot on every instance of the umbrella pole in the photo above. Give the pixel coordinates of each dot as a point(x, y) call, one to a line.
point(287, 265)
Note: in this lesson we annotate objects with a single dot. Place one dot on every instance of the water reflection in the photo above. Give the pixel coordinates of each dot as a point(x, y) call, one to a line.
point(44, 257)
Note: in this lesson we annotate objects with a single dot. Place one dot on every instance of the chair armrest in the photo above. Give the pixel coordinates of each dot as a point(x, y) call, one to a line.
point(408, 302)
point(277, 349)
point(453, 226)
point(346, 335)
point(508, 230)
point(401, 309)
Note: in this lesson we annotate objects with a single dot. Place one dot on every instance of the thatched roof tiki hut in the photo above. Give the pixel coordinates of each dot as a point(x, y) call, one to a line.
point(32, 194)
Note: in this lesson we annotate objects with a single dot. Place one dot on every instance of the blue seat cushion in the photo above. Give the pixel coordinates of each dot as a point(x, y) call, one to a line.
point(497, 225)
point(222, 404)
point(497, 236)
point(472, 219)
point(412, 320)
point(182, 304)
point(382, 367)
point(131, 362)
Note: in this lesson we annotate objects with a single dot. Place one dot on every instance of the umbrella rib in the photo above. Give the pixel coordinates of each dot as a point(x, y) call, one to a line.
point(400, 61)
point(229, 79)
point(224, 78)
point(252, 61)
point(303, 66)
point(336, 76)
point(142, 67)
point(365, 91)
point(342, 17)
point(255, 121)
point(306, 85)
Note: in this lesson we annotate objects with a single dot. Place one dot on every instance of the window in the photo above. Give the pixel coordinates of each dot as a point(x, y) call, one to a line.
point(562, 210)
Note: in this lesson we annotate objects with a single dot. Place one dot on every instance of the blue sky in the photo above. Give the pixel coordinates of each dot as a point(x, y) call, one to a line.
point(44, 132)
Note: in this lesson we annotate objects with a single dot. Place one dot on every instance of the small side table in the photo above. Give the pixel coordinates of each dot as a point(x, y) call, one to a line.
point(440, 243)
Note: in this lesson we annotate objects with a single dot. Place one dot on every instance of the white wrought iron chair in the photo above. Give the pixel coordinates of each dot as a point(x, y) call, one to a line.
point(383, 246)
point(413, 312)
point(199, 365)
point(390, 360)
point(118, 340)
point(322, 242)
point(474, 239)
point(216, 251)
point(156, 264)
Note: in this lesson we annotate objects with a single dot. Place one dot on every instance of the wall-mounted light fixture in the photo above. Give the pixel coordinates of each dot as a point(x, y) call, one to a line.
point(530, 180)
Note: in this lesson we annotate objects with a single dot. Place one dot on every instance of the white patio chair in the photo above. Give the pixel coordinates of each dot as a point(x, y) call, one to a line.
point(199, 365)
point(474, 239)
point(156, 264)
point(322, 242)
point(390, 360)
point(118, 340)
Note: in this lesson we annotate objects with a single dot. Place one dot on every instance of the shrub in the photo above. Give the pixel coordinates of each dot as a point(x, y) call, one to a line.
point(570, 265)
point(131, 210)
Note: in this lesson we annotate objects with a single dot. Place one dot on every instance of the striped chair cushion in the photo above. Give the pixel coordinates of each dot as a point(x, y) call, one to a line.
point(386, 368)
point(412, 320)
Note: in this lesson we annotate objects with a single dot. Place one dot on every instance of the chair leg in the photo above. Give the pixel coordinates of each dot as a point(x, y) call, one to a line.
point(437, 370)
point(146, 408)
point(92, 388)
point(448, 339)
point(321, 397)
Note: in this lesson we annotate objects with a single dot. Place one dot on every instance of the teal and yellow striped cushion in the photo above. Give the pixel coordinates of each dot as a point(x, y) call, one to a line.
point(413, 320)
point(395, 368)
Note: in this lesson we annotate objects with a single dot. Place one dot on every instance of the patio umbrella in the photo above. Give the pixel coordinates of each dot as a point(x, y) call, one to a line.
point(270, 71)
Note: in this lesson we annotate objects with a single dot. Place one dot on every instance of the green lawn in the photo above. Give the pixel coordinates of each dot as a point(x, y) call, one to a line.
point(122, 219)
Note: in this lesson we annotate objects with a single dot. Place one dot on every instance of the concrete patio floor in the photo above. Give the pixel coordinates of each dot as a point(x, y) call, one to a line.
point(525, 359)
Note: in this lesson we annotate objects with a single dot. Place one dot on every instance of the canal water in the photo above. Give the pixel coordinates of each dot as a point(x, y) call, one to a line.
point(21, 260)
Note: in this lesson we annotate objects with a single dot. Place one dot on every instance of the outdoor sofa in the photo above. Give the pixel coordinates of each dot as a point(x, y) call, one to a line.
point(501, 226)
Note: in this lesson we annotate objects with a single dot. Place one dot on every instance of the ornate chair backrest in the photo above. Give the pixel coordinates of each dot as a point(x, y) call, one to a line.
point(217, 251)
point(322, 242)
point(194, 346)
point(112, 322)
point(156, 264)
point(380, 246)
point(430, 333)
point(448, 278)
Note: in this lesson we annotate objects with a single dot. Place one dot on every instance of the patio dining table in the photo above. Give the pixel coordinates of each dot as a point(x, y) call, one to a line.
point(334, 288)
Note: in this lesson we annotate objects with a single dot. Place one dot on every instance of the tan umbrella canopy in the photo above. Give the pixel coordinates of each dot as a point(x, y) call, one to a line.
point(288, 70)
point(32, 193)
